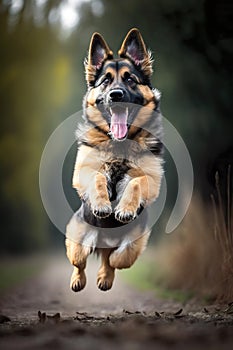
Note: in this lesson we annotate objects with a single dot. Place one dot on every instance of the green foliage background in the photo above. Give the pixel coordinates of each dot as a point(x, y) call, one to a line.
point(42, 83)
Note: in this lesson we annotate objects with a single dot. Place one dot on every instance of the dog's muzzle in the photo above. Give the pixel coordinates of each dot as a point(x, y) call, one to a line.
point(116, 95)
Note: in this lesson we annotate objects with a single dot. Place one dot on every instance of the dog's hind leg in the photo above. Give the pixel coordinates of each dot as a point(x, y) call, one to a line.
point(77, 254)
point(80, 242)
point(127, 253)
point(106, 272)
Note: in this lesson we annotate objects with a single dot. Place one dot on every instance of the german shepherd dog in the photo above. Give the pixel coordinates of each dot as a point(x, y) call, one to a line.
point(118, 169)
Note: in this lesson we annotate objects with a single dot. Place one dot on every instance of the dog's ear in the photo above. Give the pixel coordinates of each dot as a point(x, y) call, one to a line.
point(134, 48)
point(97, 54)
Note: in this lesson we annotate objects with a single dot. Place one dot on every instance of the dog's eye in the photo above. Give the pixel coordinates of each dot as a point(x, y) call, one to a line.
point(130, 81)
point(106, 81)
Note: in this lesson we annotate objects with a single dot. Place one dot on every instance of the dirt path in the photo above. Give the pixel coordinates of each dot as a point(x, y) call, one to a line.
point(91, 319)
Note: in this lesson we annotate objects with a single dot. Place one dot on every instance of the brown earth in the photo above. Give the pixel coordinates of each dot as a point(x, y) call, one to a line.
point(122, 318)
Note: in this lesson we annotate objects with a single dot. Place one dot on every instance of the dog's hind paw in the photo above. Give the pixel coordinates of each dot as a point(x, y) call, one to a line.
point(78, 282)
point(102, 211)
point(104, 285)
point(76, 286)
point(105, 282)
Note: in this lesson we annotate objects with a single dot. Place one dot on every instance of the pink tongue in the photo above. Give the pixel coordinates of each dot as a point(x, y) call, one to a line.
point(119, 124)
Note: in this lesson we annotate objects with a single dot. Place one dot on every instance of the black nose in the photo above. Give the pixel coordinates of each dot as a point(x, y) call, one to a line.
point(116, 95)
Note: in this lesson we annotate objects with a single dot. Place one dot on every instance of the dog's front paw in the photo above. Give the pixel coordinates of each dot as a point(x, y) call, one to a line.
point(102, 211)
point(125, 215)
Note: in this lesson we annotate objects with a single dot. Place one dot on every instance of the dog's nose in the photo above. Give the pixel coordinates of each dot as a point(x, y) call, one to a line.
point(116, 95)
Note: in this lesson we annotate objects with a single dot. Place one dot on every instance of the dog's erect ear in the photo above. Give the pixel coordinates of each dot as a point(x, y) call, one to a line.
point(98, 53)
point(134, 48)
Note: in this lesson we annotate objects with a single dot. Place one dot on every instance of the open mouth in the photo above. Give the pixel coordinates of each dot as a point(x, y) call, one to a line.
point(118, 125)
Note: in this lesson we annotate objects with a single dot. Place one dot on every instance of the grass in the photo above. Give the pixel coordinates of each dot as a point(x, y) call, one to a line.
point(198, 257)
point(144, 276)
point(223, 234)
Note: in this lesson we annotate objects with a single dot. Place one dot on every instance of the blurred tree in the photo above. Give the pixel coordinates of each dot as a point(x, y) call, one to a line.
point(34, 87)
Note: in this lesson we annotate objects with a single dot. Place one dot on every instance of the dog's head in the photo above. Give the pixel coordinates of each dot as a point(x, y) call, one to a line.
point(116, 83)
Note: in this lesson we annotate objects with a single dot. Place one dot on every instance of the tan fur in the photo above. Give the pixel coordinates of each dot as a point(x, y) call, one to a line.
point(149, 98)
point(96, 117)
point(142, 189)
point(77, 254)
point(150, 182)
point(140, 120)
point(96, 137)
point(110, 71)
point(130, 201)
point(126, 258)
point(106, 272)
point(88, 179)
point(144, 116)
